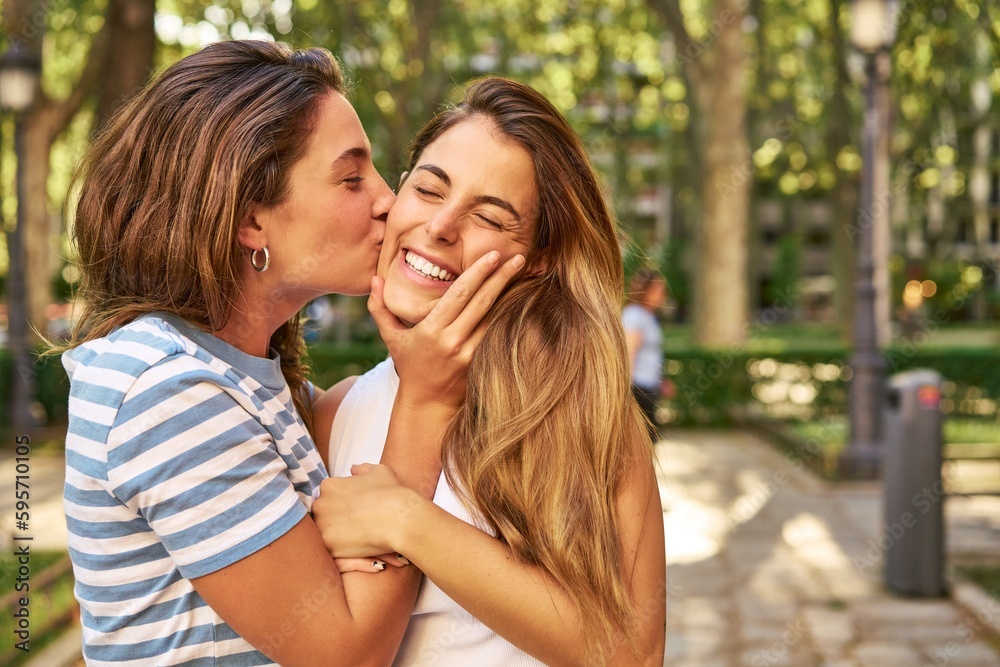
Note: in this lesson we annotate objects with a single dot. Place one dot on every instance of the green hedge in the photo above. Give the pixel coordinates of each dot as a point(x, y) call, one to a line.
point(792, 384)
point(330, 363)
point(788, 383)
point(52, 385)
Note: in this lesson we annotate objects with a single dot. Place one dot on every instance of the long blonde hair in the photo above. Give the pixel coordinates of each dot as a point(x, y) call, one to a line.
point(166, 186)
point(543, 442)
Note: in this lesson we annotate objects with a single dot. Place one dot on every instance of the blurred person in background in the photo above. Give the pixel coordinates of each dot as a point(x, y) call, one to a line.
point(646, 295)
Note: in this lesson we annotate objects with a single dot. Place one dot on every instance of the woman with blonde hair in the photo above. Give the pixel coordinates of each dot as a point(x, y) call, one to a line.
point(544, 541)
point(229, 193)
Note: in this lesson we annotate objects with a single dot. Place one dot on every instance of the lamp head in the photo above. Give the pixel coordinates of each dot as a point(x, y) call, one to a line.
point(19, 75)
point(873, 24)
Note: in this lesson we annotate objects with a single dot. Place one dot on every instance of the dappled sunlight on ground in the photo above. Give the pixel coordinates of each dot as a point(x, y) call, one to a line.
point(769, 566)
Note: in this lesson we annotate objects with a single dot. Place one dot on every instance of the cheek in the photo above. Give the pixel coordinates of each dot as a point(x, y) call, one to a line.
point(385, 257)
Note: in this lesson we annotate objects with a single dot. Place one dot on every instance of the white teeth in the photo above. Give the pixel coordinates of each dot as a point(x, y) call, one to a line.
point(418, 263)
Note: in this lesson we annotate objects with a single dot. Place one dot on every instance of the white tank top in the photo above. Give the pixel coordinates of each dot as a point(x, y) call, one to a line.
point(440, 632)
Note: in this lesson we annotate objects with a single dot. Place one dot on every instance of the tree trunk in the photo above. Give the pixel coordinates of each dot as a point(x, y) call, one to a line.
point(425, 91)
point(979, 178)
point(881, 236)
point(714, 72)
point(26, 25)
point(38, 237)
point(722, 296)
point(755, 265)
point(127, 66)
point(40, 125)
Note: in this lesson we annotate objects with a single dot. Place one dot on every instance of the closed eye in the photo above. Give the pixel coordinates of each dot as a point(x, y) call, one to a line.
point(490, 221)
point(425, 192)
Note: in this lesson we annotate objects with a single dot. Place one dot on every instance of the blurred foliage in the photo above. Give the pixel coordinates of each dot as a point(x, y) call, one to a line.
point(330, 364)
point(987, 576)
point(811, 385)
point(784, 282)
point(52, 387)
point(785, 381)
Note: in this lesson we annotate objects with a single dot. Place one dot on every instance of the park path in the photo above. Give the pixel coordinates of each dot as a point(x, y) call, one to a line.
point(769, 566)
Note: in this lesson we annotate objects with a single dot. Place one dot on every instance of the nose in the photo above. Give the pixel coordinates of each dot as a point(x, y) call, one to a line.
point(443, 226)
point(383, 201)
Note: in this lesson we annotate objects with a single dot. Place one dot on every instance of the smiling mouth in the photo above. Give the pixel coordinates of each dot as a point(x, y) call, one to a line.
point(426, 267)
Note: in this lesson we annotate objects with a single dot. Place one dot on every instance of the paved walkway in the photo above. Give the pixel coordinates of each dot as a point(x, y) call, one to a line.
point(769, 566)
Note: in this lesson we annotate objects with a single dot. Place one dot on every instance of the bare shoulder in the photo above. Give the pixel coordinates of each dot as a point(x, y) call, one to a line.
point(644, 549)
point(639, 487)
point(640, 511)
point(324, 412)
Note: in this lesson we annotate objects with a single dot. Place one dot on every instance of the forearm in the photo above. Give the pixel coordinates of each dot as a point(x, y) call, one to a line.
point(289, 601)
point(413, 443)
point(522, 602)
point(380, 606)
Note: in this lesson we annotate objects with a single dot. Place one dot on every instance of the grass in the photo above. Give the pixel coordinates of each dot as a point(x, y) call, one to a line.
point(812, 336)
point(963, 439)
point(775, 337)
point(832, 433)
point(45, 605)
point(987, 576)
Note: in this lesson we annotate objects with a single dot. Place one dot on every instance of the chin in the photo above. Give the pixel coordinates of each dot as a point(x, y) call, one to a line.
point(407, 308)
point(357, 290)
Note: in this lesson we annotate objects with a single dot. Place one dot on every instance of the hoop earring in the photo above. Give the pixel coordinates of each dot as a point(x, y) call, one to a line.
point(267, 260)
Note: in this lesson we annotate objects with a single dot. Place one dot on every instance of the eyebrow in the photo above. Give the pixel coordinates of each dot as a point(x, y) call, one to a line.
point(481, 199)
point(356, 153)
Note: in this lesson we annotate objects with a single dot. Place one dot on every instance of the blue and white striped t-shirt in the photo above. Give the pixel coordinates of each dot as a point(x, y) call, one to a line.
point(183, 455)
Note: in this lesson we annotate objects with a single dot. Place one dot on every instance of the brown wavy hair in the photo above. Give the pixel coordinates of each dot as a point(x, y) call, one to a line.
point(541, 446)
point(166, 186)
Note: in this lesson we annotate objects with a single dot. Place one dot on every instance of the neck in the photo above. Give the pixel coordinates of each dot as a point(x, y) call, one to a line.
point(252, 324)
point(247, 334)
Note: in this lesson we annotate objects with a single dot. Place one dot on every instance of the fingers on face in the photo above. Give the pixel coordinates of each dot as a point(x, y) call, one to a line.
point(466, 302)
point(461, 291)
point(468, 321)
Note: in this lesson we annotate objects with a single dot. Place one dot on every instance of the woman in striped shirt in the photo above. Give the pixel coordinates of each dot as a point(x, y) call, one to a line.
point(229, 193)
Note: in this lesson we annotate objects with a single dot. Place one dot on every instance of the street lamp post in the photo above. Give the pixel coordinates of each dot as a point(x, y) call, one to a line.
point(872, 32)
point(19, 74)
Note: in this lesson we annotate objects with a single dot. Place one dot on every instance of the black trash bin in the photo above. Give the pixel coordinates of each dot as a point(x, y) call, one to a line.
point(914, 495)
